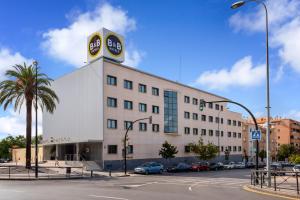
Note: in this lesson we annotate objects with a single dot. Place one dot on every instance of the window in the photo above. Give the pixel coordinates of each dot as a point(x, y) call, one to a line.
point(228, 122)
point(240, 148)
point(130, 149)
point(128, 84)
point(195, 131)
point(217, 133)
point(128, 105)
point(186, 99)
point(186, 115)
point(142, 126)
point(234, 134)
point(222, 133)
point(239, 123)
point(111, 102)
point(228, 134)
point(155, 127)
point(203, 131)
point(217, 106)
point(234, 148)
point(170, 112)
point(203, 118)
point(195, 116)
point(222, 120)
point(211, 133)
point(142, 107)
point(234, 123)
point(195, 101)
point(142, 88)
point(128, 124)
point(186, 130)
point(217, 120)
point(221, 108)
point(211, 119)
point(155, 91)
point(112, 149)
point(111, 80)
point(187, 149)
point(210, 105)
point(112, 123)
point(229, 148)
point(239, 135)
point(155, 109)
point(222, 148)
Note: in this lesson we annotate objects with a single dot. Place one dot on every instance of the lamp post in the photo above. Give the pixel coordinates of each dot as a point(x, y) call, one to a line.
point(35, 63)
point(237, 5)
point(126, 137)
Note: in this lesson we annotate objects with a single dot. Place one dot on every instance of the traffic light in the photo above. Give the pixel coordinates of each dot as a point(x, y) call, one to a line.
point(202, 104)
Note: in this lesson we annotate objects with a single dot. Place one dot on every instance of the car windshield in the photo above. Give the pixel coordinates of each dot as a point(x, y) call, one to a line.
point(146, 165)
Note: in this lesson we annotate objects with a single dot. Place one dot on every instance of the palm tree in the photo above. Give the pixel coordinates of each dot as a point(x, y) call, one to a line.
point(21, 86)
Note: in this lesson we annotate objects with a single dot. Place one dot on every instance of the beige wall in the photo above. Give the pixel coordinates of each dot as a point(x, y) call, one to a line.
point(147, 144)
point(19, 155)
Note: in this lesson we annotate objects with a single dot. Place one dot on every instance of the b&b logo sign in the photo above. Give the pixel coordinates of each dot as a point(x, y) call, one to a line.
point(114, 45)
point(95, 45)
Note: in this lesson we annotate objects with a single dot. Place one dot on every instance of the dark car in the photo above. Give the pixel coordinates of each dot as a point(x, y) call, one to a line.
point(2, 161)
point(276, 169)
point(180, 167)
point(200, 166)
point(250, 165)
point(216, 166)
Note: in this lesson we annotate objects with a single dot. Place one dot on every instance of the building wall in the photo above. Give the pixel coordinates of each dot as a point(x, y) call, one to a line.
point(147, 144)
point(78, 116)
point(19, 155)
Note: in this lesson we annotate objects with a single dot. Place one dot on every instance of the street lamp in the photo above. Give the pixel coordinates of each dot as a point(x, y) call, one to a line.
point(125, 140)
point(237, 5)
point(35, 63)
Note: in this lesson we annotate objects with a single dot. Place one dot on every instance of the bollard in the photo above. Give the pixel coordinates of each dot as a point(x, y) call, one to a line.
point(251, 178)
point(275, 187)
point(91, 173)
point(109, 172)
point(9, 172)
point(297, 182)
point(261, 179)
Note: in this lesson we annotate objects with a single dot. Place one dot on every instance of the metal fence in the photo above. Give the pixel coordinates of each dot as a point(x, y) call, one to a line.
point(280, 180)
point(21, 172)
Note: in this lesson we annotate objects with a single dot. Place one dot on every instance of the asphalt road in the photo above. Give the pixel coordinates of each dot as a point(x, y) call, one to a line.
point(221, 185)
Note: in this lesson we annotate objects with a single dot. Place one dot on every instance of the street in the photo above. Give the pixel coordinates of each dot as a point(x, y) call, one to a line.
point(184, 186)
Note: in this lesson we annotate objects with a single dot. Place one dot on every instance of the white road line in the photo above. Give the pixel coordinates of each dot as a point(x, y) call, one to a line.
point(134, 186)
point(107, 197)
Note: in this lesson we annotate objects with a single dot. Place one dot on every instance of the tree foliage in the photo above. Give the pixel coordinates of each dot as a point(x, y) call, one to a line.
point(295, 159)
point(20, 87)
point(168, 151)
point(285, 151)
point(10, 142)
point(204, 151)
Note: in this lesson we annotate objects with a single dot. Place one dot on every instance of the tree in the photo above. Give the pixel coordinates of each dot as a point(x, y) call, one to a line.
point(262, 154)
point(285, 151)
point(39, 138)
point(21, 86)
point(295, 159)
point(167, 151)
point(204, 152)
point(246, 157)
point(10, 142)
point(227, 154)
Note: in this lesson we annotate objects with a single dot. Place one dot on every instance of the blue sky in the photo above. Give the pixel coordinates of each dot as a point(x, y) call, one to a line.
point(200, 43)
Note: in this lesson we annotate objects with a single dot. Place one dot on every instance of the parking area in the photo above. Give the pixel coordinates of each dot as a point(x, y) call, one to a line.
point(226, 184)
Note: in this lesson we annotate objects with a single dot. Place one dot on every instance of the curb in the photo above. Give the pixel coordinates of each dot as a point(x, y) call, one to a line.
point(249, 188)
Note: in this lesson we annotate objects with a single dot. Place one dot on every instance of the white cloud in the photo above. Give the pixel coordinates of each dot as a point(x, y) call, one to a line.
point(284, 21)
point(8, 59)
point(242, 73)
point(14, 123)
point(68, 44)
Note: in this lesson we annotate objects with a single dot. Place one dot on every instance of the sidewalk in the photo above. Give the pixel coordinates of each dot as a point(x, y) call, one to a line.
point(283, 193)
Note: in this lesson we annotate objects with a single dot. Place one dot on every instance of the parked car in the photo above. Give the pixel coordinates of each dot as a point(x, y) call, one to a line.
point(296, 168)
point(200, 166)
point(230, 165)
point(2, 161)
point(149, 168)
point(275, 168)
point(240, 165)
point(216, 166)
point(180, 167)
point(250, 165)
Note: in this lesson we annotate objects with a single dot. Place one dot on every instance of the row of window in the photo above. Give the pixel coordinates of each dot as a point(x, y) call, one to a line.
point(127, 84)
point(195, 102)
point(113, 149)
point(113, 124)
point(187, 131)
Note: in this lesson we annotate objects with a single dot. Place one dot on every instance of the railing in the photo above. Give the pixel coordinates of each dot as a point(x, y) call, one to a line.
point(280, 180)
point(20, 172)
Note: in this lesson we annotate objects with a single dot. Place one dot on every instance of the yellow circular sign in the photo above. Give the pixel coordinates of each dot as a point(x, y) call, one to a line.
point(113, 45)
point(94, 44)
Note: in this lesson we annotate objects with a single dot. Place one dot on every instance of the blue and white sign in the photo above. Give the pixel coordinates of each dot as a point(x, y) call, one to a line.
point(256, 135)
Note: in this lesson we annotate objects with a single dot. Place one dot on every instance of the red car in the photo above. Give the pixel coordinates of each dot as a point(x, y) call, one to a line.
point(200, 167)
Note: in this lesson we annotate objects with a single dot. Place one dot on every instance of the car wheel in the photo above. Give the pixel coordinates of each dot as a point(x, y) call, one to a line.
point(198, 170)
point(161, 171)
point(146, 172)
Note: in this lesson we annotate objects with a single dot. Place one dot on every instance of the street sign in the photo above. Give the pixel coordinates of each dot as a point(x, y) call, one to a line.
point(256, 135)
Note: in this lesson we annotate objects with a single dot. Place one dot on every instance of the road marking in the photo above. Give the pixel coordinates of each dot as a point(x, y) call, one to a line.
point(9, 190)
point(140, 185)
point(107, 197)
point(269, 194)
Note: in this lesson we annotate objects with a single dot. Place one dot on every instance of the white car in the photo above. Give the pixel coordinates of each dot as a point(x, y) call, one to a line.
point(240, 165)
point(230, 165)
point(296, 168)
